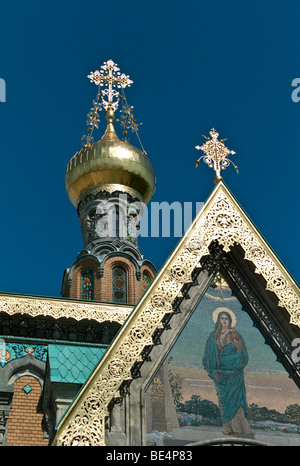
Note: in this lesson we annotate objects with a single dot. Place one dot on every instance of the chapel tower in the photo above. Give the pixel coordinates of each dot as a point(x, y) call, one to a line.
point(109, 182)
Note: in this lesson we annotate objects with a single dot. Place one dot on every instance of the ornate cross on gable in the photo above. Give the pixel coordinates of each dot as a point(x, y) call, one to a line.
point(215, 154)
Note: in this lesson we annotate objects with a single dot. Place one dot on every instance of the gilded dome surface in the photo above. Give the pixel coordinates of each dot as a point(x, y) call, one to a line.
point(110, 161)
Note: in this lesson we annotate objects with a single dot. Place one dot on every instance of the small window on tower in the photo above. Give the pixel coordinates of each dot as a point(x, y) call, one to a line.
point(119, 294)
point(87, 285)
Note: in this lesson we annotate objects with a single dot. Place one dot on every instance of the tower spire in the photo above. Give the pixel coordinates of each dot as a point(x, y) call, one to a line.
point(215, 154)
point(109, 181)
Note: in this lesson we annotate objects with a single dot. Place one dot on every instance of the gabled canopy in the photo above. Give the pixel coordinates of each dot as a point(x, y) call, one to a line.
point(221, 237)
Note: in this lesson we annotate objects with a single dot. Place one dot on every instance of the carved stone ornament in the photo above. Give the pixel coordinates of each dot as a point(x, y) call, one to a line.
point(221, 220)
point(57, 308)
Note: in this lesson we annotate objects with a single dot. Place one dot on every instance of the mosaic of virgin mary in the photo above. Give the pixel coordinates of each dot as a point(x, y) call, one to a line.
point(225, 358)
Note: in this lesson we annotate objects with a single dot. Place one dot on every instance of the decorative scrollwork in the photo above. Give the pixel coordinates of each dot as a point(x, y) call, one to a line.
point(92, 122)
point(215, 153)
point(159, 301)
point(116, 367)
point(84, 433)
point(58, 308)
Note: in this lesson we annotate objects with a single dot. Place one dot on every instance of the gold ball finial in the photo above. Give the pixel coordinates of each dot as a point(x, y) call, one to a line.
point(110, 115)
point(110, 130)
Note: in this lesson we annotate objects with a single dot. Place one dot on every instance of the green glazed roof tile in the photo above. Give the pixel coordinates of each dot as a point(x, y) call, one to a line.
point(73, 364)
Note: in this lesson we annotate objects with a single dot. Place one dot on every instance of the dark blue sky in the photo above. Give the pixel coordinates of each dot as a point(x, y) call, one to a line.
point(195, 65)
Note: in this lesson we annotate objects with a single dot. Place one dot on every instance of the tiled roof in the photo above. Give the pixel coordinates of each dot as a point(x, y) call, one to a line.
point(73, 364)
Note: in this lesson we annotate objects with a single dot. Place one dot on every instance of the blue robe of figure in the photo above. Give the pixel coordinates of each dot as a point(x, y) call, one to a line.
point(225, 365)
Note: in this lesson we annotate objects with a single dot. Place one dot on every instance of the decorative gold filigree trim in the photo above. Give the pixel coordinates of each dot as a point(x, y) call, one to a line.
point(109, 75)
point(57, 308)
point(216, 153)
point(221, 220)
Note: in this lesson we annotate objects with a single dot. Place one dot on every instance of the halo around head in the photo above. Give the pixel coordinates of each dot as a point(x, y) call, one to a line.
point(219, 310)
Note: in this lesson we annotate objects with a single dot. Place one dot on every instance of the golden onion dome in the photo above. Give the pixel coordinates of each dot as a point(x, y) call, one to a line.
point(110, 164)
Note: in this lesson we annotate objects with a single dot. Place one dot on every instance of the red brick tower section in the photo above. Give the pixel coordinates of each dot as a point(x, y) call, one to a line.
point(25, 423)
point(136, 283)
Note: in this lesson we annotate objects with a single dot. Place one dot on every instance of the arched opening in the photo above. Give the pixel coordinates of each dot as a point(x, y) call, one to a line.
point(119, 284)
point(87, 285)
point(146, 281)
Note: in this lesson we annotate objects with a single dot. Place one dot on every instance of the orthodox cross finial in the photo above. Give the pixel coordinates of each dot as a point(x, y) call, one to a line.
point(216, 154)
point(110, 75)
